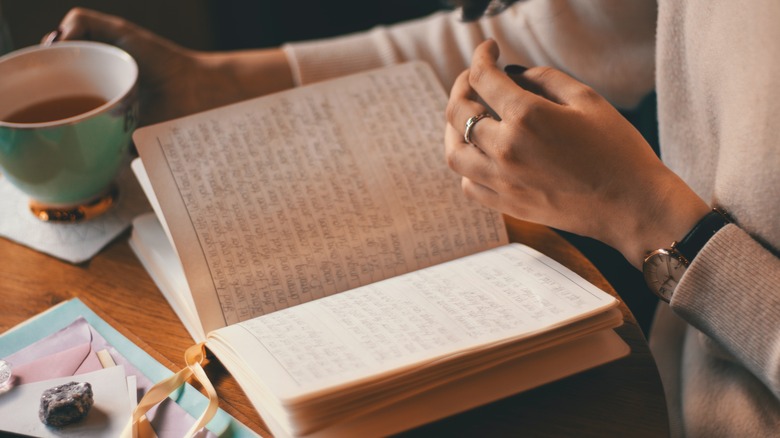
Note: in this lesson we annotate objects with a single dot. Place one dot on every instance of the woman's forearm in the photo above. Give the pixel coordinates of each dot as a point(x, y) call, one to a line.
point(244, 74)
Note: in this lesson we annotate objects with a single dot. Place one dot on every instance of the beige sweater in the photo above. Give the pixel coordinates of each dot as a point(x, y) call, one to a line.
point(715, 66)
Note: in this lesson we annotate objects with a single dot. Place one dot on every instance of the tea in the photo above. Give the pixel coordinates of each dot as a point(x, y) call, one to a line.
point(83, 96)
point(55, 109)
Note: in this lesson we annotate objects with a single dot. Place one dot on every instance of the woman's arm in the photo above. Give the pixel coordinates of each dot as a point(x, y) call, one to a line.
point(176, 81)
point(730, 293)
point(559, 154)
point(607, 43)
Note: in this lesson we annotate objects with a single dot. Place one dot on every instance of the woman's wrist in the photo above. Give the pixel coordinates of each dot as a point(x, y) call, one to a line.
point(668, 220)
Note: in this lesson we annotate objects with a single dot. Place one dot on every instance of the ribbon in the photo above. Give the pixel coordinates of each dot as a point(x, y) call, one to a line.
point(193, 357)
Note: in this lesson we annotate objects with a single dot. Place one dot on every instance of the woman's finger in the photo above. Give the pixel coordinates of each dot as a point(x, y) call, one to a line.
point(502, 93)
point(51, 37)
point(466, 114)
point(555, 85)
point(540, 85)
point(480, 193)
point(81, 23)
point(466, 159)
point(475, 167)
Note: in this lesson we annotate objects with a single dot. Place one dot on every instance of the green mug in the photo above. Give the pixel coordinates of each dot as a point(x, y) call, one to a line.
point(67, 114)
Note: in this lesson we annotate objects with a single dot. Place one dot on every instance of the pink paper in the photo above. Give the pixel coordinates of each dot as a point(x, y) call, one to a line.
point(74, 348)
point(77, 360)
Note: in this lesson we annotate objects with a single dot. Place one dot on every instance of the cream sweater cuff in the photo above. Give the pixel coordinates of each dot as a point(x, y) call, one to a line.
point(318, 60)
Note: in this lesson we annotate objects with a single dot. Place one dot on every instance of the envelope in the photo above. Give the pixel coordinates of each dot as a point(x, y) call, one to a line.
point(74, 335)
point(107, 417)
point(76, 346)
point(73, 361)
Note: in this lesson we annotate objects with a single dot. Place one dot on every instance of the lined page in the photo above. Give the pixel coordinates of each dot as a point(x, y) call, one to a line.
point(292, 197)
point(505, 293)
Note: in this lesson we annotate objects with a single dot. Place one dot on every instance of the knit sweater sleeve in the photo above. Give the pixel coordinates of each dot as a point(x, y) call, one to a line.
point(608, 44)
point(730, 293)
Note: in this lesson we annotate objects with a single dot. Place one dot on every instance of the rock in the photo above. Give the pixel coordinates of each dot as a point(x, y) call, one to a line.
point(66, 404)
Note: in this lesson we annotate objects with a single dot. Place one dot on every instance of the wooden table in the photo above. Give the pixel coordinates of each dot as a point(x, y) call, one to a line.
point(623, 398)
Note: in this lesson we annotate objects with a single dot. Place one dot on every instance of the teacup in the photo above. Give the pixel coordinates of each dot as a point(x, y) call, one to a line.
point(67, 112)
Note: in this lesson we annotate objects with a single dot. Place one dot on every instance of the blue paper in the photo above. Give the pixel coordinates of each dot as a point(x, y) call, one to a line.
point(63, 314)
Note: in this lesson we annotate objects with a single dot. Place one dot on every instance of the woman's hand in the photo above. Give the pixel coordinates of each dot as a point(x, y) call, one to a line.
point(176, 81)
point(561, 155)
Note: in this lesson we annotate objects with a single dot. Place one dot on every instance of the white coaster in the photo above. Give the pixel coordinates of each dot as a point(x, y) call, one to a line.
point(72, 242)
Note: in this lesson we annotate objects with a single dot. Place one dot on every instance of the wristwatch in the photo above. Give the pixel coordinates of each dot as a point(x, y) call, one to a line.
point(663, 268)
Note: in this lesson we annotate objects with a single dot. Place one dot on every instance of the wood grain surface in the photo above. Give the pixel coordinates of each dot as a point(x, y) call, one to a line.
point(623, 398)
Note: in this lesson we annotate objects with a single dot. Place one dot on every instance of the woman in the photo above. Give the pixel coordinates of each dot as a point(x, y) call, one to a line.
point(555, 151)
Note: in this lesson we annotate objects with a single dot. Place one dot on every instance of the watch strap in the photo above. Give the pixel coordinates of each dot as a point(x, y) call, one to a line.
point(700, 234)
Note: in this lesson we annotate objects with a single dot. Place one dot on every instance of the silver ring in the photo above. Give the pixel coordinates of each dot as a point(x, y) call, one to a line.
point(470, 124)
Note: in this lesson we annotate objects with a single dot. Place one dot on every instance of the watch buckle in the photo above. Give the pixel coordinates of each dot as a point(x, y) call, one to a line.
point(678, 254)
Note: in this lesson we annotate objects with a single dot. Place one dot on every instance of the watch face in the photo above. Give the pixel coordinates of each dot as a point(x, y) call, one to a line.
point(663, 270)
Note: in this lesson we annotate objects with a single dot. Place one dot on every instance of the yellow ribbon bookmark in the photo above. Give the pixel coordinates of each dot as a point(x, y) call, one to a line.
point(193, 357)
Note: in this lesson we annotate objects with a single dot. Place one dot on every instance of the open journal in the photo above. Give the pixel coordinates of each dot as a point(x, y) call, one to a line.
point(316, 240)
